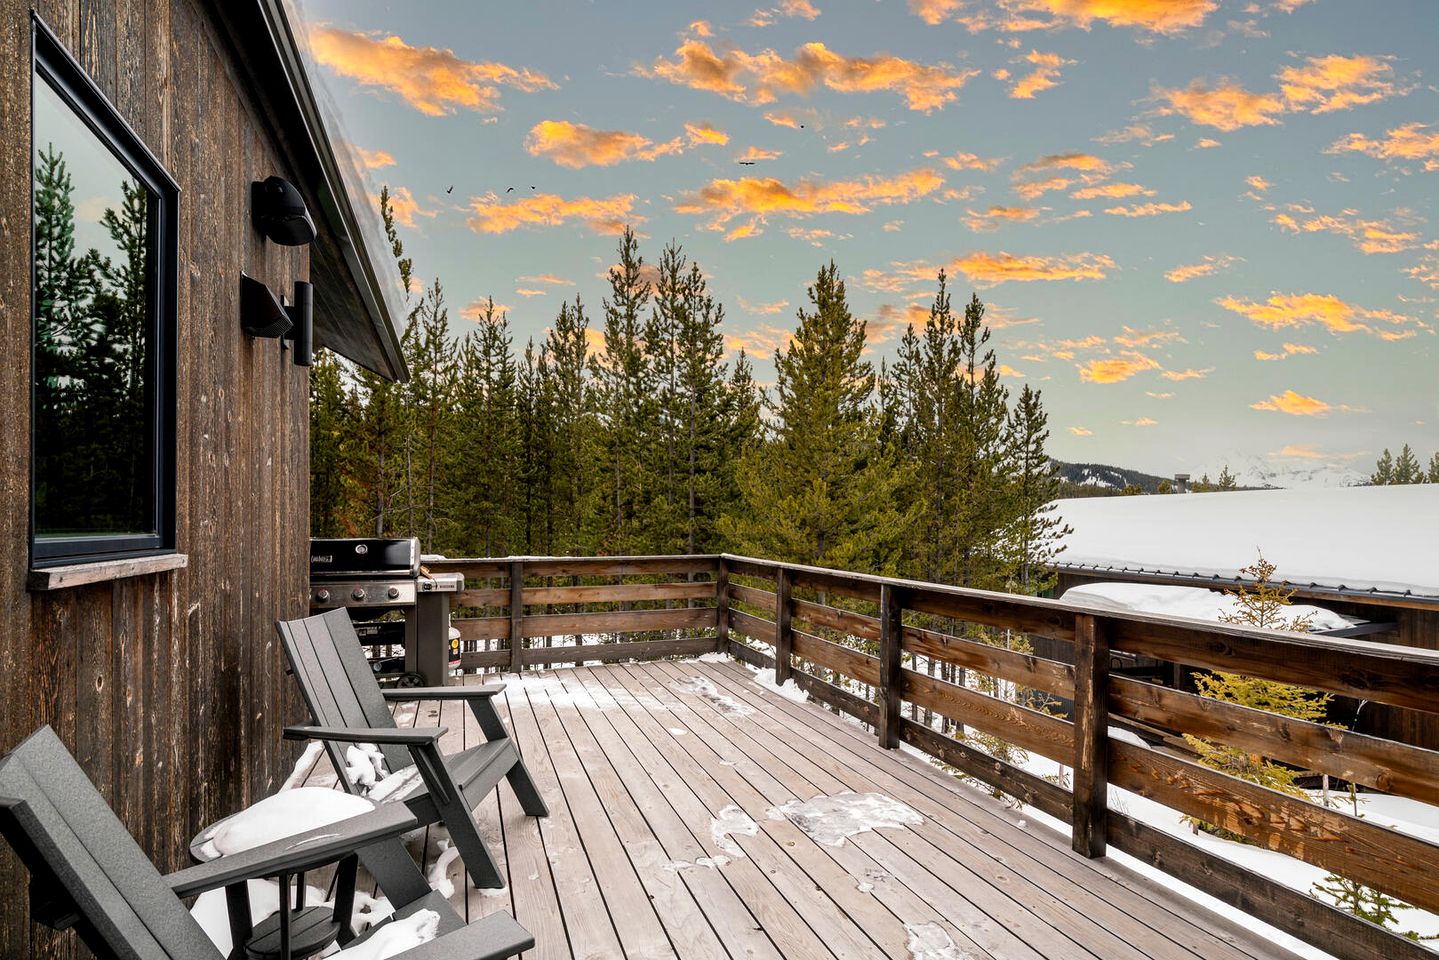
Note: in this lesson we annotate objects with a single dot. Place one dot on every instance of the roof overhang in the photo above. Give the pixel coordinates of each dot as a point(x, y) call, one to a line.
point(355, 313)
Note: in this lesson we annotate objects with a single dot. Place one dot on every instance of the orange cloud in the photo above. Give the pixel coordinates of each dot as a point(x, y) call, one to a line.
point(765, 340)
point(374, 159)
point(1083, 162)
point(1081, 432)
point(1117, 369)
point(1319, 85)
point(992, 218)
point(1285, 311)
point(1141, 422)
point(1207, 143)
point(491, 214)
point(1287, 351)
point(1047, 67)
point(530, 292)
point(1211, 265)
point(754, 154)
point(1141, 133)
point(989, 269)
point(1112, 191)
point(1369, 236)
point(768, 309)
point(1326, 84)
point(1294, 404)
point(1018, 16)
point(757, 198)
point(1190, 374)
point(576, 145)
point(406, 208)
point(699, 133)
point(547, 279)
point(759, 78)
point(1149, 209)
point(782, 118)
point(970, 161)
point(1035, 188)
point(1226, 106)
point(934, 12)
point(1144, 338)
point(433, 81)
point(1426, 271)
point(1412, 141)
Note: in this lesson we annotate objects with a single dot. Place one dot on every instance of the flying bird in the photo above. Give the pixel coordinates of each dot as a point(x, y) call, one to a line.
point(450, 188)
point(509, 190)
point(746, 163)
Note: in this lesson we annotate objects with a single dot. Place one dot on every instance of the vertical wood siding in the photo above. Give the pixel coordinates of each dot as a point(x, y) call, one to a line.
point(169, 688)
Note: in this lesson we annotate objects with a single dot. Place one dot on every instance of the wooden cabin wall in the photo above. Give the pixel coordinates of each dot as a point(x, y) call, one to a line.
point(169, 688)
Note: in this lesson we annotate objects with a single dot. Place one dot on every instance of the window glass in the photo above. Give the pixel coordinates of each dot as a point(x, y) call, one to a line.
point(95, 333)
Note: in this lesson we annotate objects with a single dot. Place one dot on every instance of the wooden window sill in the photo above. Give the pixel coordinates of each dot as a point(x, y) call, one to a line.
point(100, 571)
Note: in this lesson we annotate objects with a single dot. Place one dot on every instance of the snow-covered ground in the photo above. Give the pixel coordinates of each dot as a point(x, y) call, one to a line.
point(1361, 538)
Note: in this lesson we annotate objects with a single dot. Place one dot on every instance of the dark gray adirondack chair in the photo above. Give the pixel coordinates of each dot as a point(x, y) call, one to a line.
point(348, 706)
point(87, 872)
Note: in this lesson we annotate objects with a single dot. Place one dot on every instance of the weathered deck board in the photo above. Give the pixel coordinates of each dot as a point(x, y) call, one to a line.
point(634, 765)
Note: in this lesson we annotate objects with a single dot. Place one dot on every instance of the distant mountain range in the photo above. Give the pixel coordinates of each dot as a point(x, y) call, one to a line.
point(1252, 472)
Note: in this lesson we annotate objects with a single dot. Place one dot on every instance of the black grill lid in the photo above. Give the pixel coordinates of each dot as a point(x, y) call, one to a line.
point(365, 555)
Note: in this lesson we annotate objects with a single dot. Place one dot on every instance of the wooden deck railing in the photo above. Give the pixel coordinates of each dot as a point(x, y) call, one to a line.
point(853, 641)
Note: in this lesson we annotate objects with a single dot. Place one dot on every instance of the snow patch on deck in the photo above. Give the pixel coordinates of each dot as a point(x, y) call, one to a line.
point(832, 820)
point(789, 689)
point(705, 689)
point(731, 821)
point(930, 941)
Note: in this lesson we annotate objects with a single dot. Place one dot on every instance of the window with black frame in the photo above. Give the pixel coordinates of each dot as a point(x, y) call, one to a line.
point(104, 326)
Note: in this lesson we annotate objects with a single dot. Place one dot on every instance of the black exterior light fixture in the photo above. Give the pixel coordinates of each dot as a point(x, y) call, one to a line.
point(266, 316)
point(279, 212)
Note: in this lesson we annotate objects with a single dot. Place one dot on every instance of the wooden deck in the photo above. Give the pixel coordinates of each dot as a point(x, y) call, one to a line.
point(635, 765)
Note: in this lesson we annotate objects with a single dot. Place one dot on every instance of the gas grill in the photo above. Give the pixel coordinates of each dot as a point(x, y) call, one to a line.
point(379, 580)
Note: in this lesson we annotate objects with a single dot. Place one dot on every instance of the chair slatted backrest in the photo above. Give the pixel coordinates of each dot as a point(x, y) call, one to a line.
point(336, 680)
point(78, 852)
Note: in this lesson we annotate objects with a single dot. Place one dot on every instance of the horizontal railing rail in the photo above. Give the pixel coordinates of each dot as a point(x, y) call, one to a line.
point(517, 612)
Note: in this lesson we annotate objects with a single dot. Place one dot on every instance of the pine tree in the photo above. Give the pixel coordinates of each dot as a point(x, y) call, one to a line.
point(429, 396)
point(1433, 474)
point(382, 425)
point(1031, 540)
point(1264, 604)
point(563, 370)
point(1164, 488)
point(1407, 468)
point(1226, 480)
point(332, 417)
point(822, 490)
point(484, 462)
point(1383, 470)
point(624, 391)
point(1365, 903)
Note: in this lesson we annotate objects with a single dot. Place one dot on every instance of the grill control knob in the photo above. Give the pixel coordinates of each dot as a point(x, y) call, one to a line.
point(322, 595)
point(358, 593)
point(394, 593)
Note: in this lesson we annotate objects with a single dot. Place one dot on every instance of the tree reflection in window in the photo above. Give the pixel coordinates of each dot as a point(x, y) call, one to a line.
point(94, 433)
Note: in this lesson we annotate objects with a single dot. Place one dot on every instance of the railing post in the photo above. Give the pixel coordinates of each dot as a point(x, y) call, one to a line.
point(891, 672)
point(517, 616)
point(783, 631)
point(1091, 736)
point(722, 603)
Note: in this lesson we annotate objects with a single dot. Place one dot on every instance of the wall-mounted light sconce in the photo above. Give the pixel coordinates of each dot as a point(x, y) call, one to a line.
point(268, 317)
point(279, 212)
point(302, 316)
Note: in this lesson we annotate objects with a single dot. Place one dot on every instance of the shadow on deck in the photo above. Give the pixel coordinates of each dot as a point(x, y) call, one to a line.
point(635, 762)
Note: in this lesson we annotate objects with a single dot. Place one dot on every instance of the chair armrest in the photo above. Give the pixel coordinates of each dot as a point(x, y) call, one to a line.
point(409, 736)
point(303, 851)
point(494, 937)
point(443, 693)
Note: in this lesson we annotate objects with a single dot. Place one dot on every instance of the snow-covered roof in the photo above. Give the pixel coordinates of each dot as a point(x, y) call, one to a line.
point(1194, 603)
point(1382, 540)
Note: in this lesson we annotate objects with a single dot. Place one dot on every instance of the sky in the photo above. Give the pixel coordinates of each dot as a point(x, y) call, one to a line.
point(1204, 229)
